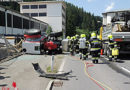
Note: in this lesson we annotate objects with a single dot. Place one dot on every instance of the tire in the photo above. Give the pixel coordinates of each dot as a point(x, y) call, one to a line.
point(24, 50)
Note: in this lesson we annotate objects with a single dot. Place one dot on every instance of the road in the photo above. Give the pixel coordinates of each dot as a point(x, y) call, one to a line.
point(89, 76)
point(20, 70)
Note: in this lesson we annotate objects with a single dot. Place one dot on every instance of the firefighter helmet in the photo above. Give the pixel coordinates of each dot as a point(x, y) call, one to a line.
point(81, 35)
point(74, 37)
point(77, 36)
point(98, 36)
point(110, 37)
point(84, 35)
point(68, 37)
point(93, 35)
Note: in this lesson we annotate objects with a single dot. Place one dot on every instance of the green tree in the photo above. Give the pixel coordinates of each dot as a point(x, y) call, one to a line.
point(49, 30)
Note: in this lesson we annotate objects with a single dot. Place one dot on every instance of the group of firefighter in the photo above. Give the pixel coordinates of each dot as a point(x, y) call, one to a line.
point(93, 46)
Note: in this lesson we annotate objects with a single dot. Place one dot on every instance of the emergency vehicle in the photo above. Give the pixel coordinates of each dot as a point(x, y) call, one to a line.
point(117, 24)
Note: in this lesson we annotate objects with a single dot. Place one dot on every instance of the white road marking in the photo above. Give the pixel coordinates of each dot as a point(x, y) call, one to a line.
point(125, 69)
point(61, 67)
point(105, 57)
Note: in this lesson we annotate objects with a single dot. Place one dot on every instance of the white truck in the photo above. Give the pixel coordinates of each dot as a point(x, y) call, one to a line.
point(116, 23)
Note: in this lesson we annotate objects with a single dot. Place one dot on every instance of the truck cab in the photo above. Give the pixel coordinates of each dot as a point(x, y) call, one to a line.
point(33, 43)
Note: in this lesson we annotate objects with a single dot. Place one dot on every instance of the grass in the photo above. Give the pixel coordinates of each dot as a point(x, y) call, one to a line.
point(49, 70)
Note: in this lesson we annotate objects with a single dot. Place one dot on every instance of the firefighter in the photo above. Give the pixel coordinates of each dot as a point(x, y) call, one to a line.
point(82, 46)
point(72, 46)
point(69, 43)
point(95, 47)
point(112, 46)
point(77, 44)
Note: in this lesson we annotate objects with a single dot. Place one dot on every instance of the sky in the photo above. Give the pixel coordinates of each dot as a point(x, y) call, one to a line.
point(97, 7)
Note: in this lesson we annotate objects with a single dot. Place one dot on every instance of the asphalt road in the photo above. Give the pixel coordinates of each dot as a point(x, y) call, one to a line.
point(89, 76)
point(20, 70)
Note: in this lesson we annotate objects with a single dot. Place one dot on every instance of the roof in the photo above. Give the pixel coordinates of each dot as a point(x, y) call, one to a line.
point(21, 14)
point(41, 2)
point(125, 10)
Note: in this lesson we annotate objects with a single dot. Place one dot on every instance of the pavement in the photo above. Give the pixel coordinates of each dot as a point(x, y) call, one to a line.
point(92, 77)
point(122, 65)
point(20, 70)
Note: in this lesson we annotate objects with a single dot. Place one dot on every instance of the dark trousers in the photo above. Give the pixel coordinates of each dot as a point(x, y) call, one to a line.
point(95, 54)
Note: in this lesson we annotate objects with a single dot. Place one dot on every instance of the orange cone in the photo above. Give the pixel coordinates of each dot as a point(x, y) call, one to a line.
point(101, 51)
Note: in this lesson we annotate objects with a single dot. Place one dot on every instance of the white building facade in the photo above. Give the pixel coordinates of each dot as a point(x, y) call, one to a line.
point(51, 12)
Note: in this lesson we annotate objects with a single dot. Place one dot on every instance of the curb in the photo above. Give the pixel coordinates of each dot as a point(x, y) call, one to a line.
point(49, 86)
point(115, 67)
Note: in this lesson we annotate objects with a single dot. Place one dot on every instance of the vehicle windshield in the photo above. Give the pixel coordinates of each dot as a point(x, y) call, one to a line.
point(35, 39)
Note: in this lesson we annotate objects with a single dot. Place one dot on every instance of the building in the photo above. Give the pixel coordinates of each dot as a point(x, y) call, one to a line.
point(14, 23)
point(51, 12)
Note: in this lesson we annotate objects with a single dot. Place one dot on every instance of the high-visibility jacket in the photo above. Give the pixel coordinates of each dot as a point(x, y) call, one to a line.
point(82, 43)
point(111, 44)
point(76, 41)
point(87, 44)
point(95, 44)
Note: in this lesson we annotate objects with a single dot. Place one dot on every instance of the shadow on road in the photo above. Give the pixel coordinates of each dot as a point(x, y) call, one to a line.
point(124, 57)
point(1, 68)
point(3, 77)
point(126, 82)
point(120, 61)
point(3, 85)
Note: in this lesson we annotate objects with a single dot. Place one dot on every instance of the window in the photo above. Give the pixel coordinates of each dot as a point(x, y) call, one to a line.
point(25, 24)
point(34, 14)
point(34, 6)
point(32, 24)
point(17, 22)
point(36, 25)
point(42, 6)
point(2, 18)
point(43, 27)
point(26, 14)
point(42, 14)
point(9, 19)
point(25, 6)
